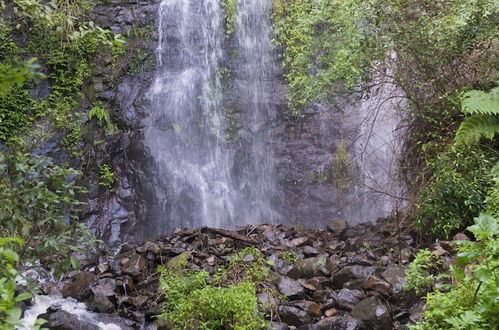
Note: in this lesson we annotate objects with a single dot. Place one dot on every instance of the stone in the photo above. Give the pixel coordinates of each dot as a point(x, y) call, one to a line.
point(347, 298)
point(395, 277)
point(278, 326)
point(373, 313)
point(439, 251)
point(341, 322)
point(311, 267)
point(106, 287)
point(377, 284)
point(460, 237)
point(290, 288)
point(354, 275)
point(293, 315)
point(299, 241)
point(58, 319)
point(330, 312)
point(101, 303)
point(310, 251)
point(311, 307)
point(134, 266)
point(337, 227)
point(80, 288)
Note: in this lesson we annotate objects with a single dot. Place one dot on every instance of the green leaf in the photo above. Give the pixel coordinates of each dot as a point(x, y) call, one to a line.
point(483, 274)
point(11, 255)
point(75, 263)
point(485, 226)
point(23, 296)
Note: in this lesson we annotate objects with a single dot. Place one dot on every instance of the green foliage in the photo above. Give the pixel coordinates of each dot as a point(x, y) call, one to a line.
point(333, 43)
point(420, 274)
point(230, 11)
point(457, 194)
point(38, 204)
point(290, 257)
point(192, 301)
point(473, 301)
point(64, 39)
point(103, 118)
point(106, 176)
point(256, 269)
point(9, 313)
point(341, 170)
point(484, 120)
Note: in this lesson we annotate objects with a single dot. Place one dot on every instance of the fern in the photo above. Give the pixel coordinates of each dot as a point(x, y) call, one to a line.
point(484, 120)
point(481, 103)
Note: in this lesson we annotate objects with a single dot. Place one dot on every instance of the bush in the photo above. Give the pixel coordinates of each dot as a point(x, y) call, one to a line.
point(38, 204)
point(458, 192)
point(473, 301)
point(420, 275)
point(195, 301)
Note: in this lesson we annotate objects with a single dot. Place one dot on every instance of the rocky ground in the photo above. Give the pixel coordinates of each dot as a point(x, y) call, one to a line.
point(340, 278)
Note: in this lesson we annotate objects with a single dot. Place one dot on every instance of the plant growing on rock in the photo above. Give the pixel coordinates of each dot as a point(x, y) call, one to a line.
point(420, 275)
point(472, 301)
point(192, 300)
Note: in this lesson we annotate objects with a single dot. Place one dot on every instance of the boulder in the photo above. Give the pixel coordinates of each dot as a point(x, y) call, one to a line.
point(135, 266)
point(311, 267)
point(294, 315)
point(373, 313)
point(347, 298)
point(342, 322)
point(355, 276)
point(80, 288)
point(290, 288)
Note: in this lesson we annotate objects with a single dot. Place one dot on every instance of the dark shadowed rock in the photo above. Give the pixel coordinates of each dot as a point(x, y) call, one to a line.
point(62, 320)
point(278, 326)
point(134, 266)
point(347, 298)
point(354, 275)
point(293, 315)
point(101, 303)
point(344, 322)
point(373, 313)
point(80, 288)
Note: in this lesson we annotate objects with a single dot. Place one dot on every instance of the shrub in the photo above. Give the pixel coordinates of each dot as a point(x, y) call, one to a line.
point(420, 275)
point(473, 301)
point(458, 192)
point(38, 204)
point(106, 176)
point(193, 300)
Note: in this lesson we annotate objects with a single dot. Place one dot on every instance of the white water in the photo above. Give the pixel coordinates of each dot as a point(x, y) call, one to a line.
point(202, 176)
point(70, 305)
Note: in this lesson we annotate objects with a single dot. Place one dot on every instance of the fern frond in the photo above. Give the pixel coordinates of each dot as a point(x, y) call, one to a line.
point(474, 127)
point(481, 103)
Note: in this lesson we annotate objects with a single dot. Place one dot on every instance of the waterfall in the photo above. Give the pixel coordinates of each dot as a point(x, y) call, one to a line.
point(208, 124)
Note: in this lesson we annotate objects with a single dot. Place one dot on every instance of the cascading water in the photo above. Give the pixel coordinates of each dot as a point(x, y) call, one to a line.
point(208, 170)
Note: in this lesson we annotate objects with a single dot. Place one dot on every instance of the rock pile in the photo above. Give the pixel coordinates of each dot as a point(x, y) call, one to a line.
point(339, 278)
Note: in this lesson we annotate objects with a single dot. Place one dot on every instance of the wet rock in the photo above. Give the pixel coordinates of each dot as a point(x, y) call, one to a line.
point(101, 303)
point(58, 319)
point(375, 283)
point(395, 277)
point(80, 288)
point(347, 299)
point(290, 288)
point(294, 315)
point(355, 276)
point(344, 322)
point(310, 307)
point(134, 266)
point(373, 313)
point(311, 267)
point(278, 326)
point(460, 237)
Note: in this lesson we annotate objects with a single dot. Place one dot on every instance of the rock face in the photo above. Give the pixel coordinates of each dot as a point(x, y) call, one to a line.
point(341, 288)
